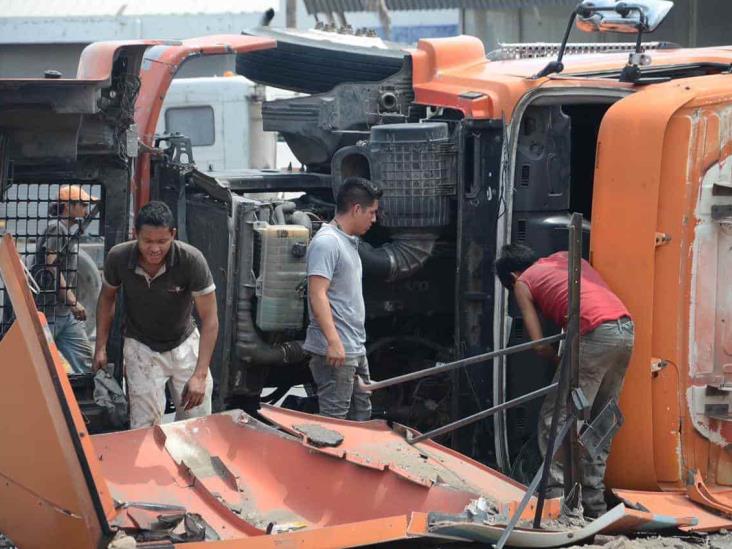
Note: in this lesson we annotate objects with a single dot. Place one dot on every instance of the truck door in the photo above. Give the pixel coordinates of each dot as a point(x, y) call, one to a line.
point(660, 238)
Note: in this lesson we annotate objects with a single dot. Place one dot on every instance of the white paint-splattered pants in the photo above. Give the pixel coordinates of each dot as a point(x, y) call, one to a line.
point(147, 373)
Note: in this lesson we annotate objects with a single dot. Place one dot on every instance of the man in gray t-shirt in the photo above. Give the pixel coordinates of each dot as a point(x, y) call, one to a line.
point(336, 333)
point(55, 269)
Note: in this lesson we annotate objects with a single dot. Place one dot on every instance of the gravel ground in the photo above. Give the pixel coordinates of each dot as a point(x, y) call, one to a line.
point(721, 540)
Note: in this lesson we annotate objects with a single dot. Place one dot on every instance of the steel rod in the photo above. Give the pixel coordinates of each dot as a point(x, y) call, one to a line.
point(485, 413)
point(440, 368)
point(566, 365)
point(572, 473)
point(558, 404)
point(531, 488)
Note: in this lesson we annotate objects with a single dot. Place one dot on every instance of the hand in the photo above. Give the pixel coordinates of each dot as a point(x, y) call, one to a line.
point(193, 392)
point(362, 385)
point(336, 355)
point(78, 310)
point(100, 360)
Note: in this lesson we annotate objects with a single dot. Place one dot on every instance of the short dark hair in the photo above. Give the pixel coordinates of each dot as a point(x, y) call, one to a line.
point(514, 258)
point(155, 214)
point(356, 190)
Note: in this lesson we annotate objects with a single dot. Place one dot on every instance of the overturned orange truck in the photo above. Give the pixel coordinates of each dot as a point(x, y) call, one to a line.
point(472, 151)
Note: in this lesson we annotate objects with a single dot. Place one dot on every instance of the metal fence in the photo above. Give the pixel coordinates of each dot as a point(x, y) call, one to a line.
point(57, 232)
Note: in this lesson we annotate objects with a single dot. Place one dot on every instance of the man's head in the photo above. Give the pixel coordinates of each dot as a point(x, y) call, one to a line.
point(72, 202)
point(514, 260)
point(356, 204)
point(155, 230)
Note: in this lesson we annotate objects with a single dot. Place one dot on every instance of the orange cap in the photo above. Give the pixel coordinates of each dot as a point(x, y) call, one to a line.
point(74, 193)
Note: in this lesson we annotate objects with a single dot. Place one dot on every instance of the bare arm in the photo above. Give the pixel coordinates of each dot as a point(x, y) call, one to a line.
point(531, 320)
point(319, 304)
point(65, 293)
point(208, 313)
point(195, 389)
point(105, 314)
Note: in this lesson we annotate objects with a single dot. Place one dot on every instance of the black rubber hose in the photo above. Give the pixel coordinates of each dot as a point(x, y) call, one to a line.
point(398, 259)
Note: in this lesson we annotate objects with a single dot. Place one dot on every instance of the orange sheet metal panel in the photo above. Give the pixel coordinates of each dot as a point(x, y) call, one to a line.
point(675, 505)
point(655, 147)
point(50, 489)
point(97, 59)
point(624, 225)
point(366, 532)
point(376, 445)
point(241, 476)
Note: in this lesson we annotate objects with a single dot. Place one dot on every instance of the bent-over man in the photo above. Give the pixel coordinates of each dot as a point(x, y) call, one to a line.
point(606, 343)
point(162, 279)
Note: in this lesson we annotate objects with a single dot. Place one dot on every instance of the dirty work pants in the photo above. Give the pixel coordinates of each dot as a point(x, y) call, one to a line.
point(72, 341)
point(338, 394)
point(604, 356)
point(147, 372)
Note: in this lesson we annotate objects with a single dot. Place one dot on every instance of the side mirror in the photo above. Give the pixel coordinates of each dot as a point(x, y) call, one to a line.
point(628, 17)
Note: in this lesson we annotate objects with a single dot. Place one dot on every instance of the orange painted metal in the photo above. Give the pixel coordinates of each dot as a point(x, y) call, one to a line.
point(655, 159)
point(376, 445)
point(698, 492)
point(675, 504)
point(381, 530)
point(629, 165)
point(242, 476)
point(97, 59)
point(49, 485)
point(444, 69)
point(158, 69)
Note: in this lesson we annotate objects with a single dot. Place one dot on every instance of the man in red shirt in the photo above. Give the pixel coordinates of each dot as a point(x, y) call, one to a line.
point(606, 343)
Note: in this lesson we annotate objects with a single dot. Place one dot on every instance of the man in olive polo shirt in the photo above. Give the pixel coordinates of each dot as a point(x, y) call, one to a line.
point(162, 279)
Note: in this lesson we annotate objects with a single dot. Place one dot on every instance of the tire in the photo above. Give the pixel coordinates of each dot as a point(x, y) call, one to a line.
point(304, 64)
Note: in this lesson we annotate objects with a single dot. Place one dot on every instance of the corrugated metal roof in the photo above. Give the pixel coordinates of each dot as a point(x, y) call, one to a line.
point(324, 6)
point(119, 8)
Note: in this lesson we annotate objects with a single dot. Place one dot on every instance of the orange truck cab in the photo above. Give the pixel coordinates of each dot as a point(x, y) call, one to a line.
point(636, 141)
point(646, 163)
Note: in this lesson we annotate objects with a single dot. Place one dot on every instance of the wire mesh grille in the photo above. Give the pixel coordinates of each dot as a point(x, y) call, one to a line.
point(57, 233)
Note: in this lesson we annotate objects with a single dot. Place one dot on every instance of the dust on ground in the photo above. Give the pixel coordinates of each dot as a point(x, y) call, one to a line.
point(721, 540)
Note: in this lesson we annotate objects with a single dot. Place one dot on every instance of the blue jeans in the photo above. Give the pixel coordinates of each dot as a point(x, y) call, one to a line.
point(338, 395)
point(72, 341)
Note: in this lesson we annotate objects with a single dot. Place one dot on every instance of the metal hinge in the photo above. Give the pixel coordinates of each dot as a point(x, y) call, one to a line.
point(662, 238)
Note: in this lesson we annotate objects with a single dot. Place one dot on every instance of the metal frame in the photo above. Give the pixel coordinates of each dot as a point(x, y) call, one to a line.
point(570, 394)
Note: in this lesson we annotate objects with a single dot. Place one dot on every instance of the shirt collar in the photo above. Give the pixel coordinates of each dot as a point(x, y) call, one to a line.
point(353, 239)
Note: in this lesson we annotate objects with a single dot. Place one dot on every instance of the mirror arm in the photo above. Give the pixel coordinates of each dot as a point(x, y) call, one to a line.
point(557, 66)
point(631, 71)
